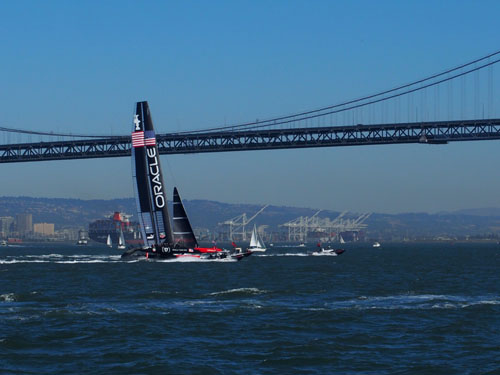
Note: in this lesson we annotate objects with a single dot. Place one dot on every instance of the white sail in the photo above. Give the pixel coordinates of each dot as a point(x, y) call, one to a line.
point(108, 241)
point(261, 242)
point(256, 243)
point(121, 241)
point(341, 239)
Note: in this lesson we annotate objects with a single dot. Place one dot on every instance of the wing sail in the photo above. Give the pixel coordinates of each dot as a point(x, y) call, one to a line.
point(149, 186)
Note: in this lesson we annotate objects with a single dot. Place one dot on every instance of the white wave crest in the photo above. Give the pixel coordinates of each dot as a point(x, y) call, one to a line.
point(8, 297)
point(409, 302)
point(239, 290)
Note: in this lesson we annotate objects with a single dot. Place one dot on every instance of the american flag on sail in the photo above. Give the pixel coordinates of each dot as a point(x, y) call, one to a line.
point(149, 138)
point(138, 139)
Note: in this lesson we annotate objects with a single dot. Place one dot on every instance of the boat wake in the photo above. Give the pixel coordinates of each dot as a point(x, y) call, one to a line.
point(187, 259)
point(60, 258)
point(282, 255)
point(87, 258)
point(323, 254)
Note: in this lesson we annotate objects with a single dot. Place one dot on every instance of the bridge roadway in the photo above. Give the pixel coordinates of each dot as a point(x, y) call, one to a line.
point(265, 139)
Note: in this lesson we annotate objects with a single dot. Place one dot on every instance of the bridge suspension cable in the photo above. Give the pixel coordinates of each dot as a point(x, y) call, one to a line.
point(323, 111)
point(386, 95)
point(52, 134)
point(314, 114)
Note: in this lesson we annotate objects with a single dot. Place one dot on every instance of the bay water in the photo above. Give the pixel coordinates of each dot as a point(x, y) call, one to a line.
point(407, 308)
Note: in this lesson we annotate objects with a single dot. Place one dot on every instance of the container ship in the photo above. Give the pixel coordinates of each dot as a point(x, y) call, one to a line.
point(116, 223)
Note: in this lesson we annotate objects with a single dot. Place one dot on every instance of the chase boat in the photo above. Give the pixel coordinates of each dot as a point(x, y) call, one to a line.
point(327, 251)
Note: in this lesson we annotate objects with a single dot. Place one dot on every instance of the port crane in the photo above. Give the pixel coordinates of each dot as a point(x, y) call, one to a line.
point(237, 225)
point(301, 227)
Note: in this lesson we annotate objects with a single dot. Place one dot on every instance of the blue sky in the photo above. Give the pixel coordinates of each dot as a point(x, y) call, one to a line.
point(80, 66)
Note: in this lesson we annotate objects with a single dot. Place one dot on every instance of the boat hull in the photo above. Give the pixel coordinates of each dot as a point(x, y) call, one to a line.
point(208, 254)
point(257, 249)
point(330, 252)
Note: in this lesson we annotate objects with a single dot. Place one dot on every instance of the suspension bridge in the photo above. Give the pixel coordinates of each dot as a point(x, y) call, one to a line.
point(454, 105)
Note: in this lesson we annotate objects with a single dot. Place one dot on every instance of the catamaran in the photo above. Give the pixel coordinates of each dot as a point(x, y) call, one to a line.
point(256, 243)
point(161, 238)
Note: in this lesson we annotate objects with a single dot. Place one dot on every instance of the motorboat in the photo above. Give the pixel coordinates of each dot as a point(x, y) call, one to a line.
point(82, 238)
point(327, 251)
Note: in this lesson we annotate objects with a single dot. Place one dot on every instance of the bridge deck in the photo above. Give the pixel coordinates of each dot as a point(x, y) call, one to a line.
point(267, 139)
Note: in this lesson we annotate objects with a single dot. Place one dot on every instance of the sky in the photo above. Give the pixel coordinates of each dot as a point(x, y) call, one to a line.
point(79, 67)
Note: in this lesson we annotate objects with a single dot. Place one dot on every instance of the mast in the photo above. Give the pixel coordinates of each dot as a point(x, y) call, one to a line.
point(183, 232)
point(149, 187)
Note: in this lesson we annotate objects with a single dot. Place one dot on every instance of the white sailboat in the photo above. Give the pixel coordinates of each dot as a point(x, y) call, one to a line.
point(121, 241)
point(108, 241)
point(256, 243)
point(341, 239)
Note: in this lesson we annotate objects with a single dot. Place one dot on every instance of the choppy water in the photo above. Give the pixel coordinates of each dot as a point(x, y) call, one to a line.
point(399, 309)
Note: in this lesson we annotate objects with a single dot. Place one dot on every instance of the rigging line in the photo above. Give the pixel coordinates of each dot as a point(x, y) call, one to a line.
point(268, 121)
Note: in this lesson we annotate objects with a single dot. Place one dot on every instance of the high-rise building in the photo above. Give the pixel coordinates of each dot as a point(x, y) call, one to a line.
point(45, 229)
point(24, 223)
point(6, 226)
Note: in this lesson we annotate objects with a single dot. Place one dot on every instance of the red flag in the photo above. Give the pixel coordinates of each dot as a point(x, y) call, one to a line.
point(232, 243)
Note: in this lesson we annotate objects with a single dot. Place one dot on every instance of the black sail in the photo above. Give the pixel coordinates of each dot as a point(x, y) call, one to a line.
point(183, 233)
point(149, 186)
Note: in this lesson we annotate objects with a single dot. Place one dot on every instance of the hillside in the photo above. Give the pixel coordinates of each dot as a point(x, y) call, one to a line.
point(77, 213)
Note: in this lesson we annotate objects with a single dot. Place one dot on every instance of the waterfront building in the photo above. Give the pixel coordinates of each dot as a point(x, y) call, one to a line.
point(6, 223)
point(44, 229)
point(24, 224)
